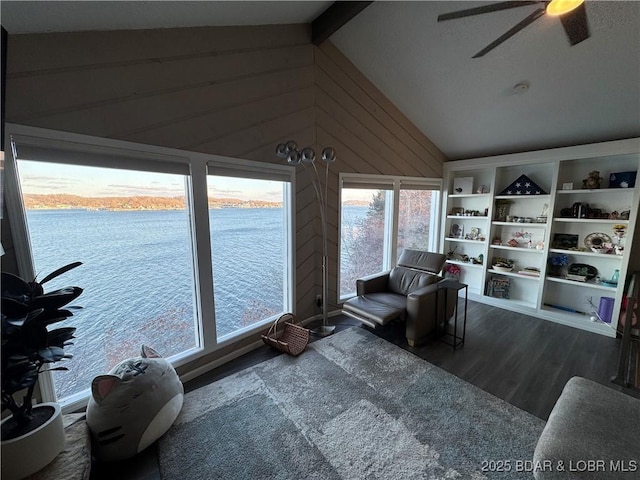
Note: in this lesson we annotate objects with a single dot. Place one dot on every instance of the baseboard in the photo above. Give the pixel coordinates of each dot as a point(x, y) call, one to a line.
point(192, 374)
point(196, 372)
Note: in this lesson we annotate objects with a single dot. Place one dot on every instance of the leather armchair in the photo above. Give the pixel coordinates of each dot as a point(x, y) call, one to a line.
point(408, 292)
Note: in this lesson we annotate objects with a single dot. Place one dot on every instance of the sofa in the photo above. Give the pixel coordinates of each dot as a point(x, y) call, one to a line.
point(593, 432)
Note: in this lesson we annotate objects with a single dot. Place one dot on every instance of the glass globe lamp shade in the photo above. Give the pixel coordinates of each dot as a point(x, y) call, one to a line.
point(281, 150)
point(308, 155)
point(291, 145)
point(328, 155)
point(293, 157)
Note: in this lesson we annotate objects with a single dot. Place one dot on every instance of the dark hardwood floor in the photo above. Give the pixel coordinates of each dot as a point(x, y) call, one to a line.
point(521, 359)
point(524, 360)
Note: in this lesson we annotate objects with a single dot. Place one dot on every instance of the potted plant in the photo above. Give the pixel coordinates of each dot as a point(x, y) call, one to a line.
point(452, 271)
point(33, 435)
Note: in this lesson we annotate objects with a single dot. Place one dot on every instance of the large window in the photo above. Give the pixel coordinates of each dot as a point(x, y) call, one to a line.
point(131, 231)
point(380, 217)
point(249, 226)
point(363, 225)
point(416, 214)
point(181, 251)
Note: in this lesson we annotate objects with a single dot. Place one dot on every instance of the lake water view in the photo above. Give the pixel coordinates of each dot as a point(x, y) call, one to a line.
point(138, 281)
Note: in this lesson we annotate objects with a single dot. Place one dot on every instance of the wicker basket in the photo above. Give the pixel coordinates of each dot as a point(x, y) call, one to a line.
point(292, 340)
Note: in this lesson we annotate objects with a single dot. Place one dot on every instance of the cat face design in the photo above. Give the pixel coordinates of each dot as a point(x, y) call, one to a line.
point(132, 405)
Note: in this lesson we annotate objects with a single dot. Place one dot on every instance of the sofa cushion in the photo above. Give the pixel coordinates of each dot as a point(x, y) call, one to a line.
point(403, 280)
point(590, 423)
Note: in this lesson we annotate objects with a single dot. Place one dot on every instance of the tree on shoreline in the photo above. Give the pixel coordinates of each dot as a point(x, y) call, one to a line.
point(363, 240)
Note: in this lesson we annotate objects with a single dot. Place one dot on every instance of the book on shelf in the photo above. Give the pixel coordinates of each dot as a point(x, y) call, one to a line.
point(577, 278)
point(498, 287)
point(531, 271)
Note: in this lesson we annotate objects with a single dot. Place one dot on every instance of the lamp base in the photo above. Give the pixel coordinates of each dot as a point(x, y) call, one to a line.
point(323, 330)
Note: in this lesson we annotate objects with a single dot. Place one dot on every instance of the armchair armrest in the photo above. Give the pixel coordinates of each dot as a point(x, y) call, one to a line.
point(421, 301)
point(421, 293)
point(425, 309)
point(372, 283)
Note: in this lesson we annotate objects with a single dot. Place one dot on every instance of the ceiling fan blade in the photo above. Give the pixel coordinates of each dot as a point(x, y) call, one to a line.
point(576, 25)
point(494, 7)
point(510, 33)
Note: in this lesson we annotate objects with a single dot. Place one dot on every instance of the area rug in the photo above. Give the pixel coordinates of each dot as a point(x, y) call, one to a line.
point(352, 406)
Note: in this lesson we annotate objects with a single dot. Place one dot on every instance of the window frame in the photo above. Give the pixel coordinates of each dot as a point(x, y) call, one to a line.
point(149, 158)
point(235, 168)
point(394, 184)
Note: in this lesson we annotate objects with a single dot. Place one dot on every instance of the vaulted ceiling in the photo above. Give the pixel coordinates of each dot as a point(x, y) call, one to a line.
point(468, 107)
point(585, 93)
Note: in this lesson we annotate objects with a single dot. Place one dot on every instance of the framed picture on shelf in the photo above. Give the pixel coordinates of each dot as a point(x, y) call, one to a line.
point(565, 241)
point(456, 231)
point(459, 211)
point(462, 185)
point(474, 234)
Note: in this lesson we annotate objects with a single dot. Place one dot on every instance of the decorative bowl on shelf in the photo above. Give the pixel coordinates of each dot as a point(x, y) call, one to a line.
point(501, 268)
point(601, 250)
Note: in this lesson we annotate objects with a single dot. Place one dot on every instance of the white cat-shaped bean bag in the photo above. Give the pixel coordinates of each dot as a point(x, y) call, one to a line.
point(133, 405)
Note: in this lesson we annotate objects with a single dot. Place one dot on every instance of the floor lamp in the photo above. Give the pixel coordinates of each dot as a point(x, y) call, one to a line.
point(307, 158)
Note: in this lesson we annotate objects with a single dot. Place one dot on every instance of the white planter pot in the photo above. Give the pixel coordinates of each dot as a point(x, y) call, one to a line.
point(25, 455)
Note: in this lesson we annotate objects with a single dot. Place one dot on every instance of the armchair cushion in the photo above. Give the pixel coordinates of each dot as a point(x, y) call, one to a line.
point(427, 261)
point(372, 312)
point(392, 299)
point(403, 280)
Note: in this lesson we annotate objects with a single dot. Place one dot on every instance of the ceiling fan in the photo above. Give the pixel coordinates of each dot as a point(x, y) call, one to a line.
point(572, 13)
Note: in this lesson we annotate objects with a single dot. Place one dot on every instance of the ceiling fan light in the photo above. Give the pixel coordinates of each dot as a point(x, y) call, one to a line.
point(560, 7)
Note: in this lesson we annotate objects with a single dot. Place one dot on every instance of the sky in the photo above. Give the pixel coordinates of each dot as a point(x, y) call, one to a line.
point(50, 178)
point(56, 178)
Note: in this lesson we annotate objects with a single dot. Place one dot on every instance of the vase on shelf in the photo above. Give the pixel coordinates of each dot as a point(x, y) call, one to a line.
point(615, 277)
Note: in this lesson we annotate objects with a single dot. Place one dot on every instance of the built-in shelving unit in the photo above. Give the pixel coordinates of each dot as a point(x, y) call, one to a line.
point(558, 222)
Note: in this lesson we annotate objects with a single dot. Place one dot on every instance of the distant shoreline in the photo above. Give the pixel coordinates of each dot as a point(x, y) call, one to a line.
point(141, 203)
point(80, 209)
point(135, 203)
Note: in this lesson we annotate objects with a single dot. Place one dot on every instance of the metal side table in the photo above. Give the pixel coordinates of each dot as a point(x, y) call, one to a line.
point(454, 338)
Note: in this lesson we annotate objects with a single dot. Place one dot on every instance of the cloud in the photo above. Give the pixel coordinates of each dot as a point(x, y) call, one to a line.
point(130, 190)
point(35, 184)
point(273, 196)
point(216, 192)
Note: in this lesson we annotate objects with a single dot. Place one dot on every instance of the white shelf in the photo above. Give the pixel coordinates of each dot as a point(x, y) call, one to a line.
point(518, 224)
point(520, 197)
point(513, 274)
point(465, 264)
point(509, 303)
point(575, 283)
point(464, 240)
point(517, 249)
point(549, 169)
point(590, 220)
point(467, 195)
point(581, 320)
point(586, 254)
point(595, 190)
point(468, 217)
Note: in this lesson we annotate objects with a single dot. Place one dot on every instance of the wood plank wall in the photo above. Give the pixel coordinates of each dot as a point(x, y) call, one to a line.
point(234, 91)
